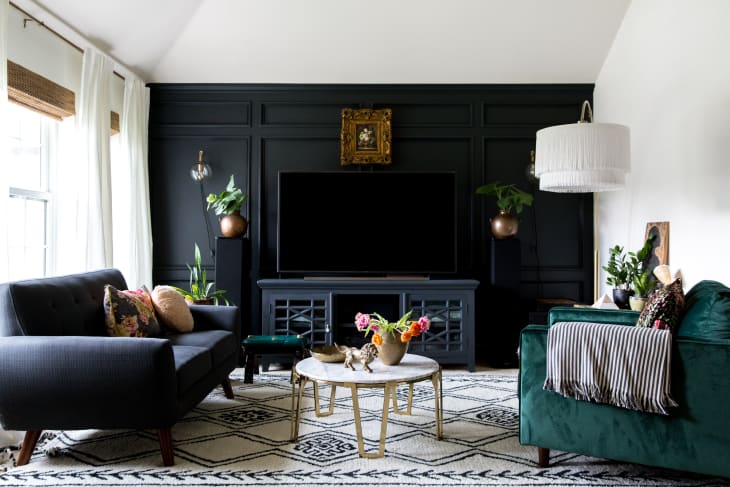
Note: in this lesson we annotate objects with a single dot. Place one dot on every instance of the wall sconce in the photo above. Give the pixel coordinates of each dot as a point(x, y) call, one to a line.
point(200, 170)
point(584, 157)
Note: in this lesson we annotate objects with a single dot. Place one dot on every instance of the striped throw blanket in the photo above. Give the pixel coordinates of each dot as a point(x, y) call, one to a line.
point(626, 366)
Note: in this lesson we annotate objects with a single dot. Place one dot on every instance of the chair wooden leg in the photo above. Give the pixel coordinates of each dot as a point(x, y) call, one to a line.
point(543, 457)
point(227, 389)
point(29, 442)
point(165, 437)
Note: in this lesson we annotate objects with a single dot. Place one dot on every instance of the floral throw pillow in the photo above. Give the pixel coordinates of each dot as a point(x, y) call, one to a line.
point(129, 313)
point(664, 308)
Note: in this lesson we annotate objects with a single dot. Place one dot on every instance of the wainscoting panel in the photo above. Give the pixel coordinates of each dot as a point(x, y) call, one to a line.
point(481, 132)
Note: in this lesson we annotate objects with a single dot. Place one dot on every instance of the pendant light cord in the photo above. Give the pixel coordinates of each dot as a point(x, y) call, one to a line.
point(207, 221)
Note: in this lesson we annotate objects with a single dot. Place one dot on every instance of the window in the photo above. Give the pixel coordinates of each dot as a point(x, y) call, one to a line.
point(30, 205)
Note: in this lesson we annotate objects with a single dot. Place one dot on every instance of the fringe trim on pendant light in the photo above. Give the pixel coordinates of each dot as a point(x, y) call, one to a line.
point(582, 157)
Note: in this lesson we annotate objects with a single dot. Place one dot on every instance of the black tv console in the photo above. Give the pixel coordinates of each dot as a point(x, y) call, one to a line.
point(324, 312)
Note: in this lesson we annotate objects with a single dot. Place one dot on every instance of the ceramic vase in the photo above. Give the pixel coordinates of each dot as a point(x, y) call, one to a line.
point(504, 225)
point(637, 304)
point(392, 350)
point(621, 298)
point(233, 225)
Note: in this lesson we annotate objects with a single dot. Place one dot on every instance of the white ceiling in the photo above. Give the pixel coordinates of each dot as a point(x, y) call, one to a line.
point(350, 41)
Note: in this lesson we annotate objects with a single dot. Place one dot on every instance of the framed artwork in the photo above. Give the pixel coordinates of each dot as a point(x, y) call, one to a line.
point(659, 254)
point(366, 136)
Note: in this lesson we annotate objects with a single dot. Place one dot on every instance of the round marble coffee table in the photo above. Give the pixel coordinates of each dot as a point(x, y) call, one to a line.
point(412, 369)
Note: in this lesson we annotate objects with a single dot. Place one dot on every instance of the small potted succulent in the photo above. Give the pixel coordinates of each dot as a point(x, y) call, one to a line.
point(511, 200)
point(228, 203)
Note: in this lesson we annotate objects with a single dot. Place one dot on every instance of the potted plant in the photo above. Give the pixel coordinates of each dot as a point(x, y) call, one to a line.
point(228, 203)
point(511, 200)
point(623, 270)
point(201, 291)
point(643, 284)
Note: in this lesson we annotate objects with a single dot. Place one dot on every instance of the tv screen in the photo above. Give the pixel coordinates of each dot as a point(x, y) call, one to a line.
point(354, 223)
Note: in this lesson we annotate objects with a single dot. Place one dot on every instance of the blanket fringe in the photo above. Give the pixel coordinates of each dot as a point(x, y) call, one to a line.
point(591, 392)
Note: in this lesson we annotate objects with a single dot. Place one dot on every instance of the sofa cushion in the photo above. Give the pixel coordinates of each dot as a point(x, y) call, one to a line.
point(129, 313)
point(191, 365)
point(172, 309)
point(708, 311)
point(221, 344)
point(664, 308)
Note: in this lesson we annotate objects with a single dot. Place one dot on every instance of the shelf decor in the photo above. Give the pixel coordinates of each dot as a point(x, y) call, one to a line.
point(366, 136)
point(391, 338)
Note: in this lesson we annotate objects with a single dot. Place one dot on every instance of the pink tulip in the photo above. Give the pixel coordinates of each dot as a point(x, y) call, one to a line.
point(361, 321)
point(424, 323)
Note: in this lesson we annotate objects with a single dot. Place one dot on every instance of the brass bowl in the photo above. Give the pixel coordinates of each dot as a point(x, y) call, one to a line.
point(327, 353)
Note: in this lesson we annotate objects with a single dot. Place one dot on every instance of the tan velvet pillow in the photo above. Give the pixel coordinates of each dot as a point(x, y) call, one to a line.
point(172, 309)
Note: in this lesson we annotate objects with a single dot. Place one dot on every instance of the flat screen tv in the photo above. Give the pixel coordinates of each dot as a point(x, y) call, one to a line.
point(366, 223)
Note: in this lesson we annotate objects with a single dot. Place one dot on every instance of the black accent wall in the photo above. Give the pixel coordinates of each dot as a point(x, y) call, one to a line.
point(483, 132)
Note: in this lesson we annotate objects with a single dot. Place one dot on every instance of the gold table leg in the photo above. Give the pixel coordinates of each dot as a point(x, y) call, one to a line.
point(316, 401)
point(438, 396)
point(409, 405)
point(297, 411)
point(387, 387)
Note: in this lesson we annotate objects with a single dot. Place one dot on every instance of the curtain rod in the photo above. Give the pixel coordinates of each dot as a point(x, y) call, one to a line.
point(64, 39)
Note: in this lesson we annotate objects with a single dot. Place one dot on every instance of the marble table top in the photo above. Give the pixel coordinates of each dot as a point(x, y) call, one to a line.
point(411, 368)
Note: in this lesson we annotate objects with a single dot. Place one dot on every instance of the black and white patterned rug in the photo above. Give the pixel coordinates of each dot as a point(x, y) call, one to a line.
point(245, 441)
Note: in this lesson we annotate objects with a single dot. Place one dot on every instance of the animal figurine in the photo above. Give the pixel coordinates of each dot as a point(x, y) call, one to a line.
point(366, 354)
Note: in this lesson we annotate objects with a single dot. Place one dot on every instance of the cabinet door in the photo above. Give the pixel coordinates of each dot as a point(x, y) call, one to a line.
point(308, 316)
point(447, 314)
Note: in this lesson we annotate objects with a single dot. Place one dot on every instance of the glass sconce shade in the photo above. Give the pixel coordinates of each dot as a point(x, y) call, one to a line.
point(200, 170)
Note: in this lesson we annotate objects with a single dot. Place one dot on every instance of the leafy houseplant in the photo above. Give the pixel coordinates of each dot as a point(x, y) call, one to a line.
point(644, 283)
point(201, 291)
point(511, 200)
point(624, 270)
point(228, 203)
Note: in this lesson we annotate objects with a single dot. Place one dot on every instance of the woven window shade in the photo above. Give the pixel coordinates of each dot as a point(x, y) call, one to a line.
point(42, 95)
point(115, 123)
point(39, 94)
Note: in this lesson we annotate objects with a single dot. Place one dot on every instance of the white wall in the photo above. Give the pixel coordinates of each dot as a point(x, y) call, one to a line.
point(667, 76)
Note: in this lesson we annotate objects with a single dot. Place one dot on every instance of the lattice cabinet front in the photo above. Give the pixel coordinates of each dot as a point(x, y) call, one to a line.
point(316, 309)
point(297, 315)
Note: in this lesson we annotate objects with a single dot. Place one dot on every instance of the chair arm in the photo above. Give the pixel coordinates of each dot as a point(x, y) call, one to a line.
point(77, 382)
point(210, 317)
point(592, 315)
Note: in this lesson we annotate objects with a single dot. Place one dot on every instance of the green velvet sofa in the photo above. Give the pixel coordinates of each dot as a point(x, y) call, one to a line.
point(695, 437)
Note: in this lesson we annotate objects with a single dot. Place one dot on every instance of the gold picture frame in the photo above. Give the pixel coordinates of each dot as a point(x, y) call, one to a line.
point(659, 254)
point(366, 136)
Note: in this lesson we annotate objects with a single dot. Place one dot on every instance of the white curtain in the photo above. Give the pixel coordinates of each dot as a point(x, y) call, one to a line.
point(93, 166)
point(133, 245)
point(7, 438)
point(4, 184)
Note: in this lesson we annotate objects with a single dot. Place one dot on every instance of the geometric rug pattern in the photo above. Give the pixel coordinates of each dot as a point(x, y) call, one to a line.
point(245, 441)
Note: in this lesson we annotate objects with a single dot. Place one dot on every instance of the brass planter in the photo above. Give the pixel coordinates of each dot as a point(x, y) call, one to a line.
point(233, 225)
point(392, 350)
point(504, 225)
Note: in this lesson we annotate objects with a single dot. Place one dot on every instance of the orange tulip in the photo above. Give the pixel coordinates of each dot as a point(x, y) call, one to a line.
point(406, 336)
point(415, 329)
point(377, 340)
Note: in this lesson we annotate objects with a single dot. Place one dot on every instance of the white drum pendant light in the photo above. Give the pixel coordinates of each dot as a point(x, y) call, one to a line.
point(583, 157)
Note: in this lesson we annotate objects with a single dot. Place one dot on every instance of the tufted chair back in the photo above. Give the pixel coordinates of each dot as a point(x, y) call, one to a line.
point(70, 305)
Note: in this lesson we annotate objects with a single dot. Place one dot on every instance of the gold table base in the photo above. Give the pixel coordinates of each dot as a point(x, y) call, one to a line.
point(389, 390)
